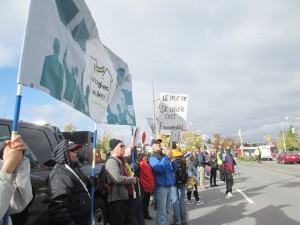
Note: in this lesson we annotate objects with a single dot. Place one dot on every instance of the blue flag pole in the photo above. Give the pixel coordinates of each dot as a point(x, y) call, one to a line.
point(14, 133)
point(93, 174)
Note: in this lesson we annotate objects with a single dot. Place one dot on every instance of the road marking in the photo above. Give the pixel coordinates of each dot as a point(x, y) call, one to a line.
point(245, 196)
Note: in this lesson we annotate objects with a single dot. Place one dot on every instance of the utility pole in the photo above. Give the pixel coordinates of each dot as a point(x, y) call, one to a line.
point(154, 116)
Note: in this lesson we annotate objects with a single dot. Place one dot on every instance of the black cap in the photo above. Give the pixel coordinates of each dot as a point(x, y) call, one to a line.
point(156, 140)
point(113, 143)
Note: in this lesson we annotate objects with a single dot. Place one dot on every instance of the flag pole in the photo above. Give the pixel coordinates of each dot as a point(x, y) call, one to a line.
point(93, 174)
point(14, 133)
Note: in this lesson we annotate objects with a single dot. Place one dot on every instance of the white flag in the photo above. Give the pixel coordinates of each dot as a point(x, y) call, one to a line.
point(64, 57)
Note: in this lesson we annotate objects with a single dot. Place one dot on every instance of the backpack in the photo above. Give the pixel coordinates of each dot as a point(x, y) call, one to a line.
point(102, 183)
point(181, 174)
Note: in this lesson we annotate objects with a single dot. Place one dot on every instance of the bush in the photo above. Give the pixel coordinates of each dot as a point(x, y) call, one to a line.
point(246, 158)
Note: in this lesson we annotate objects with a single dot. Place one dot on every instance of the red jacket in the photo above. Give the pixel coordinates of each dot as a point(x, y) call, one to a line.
point(146, 176)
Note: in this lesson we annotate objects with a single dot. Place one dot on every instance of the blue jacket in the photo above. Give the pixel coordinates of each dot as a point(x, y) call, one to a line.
point(164, 170)
point(201, 160)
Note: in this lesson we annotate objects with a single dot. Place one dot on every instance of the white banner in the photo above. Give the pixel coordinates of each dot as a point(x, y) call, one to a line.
point(64, 57)
point(173, 111)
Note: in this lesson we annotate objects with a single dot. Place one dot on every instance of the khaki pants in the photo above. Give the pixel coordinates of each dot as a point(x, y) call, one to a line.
point(202, 174)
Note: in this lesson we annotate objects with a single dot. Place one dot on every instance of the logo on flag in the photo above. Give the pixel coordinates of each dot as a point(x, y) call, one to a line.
point(64, 57)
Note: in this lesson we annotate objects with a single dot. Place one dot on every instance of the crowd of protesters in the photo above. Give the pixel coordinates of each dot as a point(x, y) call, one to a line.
point(166, 176)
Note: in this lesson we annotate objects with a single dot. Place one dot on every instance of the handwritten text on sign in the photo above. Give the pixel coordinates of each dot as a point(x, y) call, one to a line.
point(172, 111)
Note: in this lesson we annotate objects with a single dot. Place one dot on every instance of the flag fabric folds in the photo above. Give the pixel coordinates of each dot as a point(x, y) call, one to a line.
point(64, 57)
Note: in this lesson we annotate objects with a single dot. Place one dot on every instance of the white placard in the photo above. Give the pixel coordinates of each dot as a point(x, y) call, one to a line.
point(172, 111)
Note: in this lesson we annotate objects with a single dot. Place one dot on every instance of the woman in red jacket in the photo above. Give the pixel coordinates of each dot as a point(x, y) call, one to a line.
point(148, 183)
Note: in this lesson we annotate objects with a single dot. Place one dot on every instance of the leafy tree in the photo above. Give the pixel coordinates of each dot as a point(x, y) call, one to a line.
point(70, 128)
point(103, 142)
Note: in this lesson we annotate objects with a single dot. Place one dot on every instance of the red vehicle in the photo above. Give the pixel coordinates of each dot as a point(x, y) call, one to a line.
point(288, 157)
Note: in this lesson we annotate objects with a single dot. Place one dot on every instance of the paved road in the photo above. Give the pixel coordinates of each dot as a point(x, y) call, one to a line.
point(266, 194)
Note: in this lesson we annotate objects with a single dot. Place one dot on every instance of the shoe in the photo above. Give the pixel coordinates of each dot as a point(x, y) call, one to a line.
point(185, 223)
point(227, 196)
point(204, 188)
point(189, 202)
point(148, 217)
point(211, 185)
point(199, 202)
point(230, 194)
point(174, 224)
point(215, 185)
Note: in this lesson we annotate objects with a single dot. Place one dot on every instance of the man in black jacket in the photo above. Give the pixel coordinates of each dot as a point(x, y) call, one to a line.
point(67, 188)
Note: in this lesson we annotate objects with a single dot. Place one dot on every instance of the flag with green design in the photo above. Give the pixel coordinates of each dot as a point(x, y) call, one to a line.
point(64, 57)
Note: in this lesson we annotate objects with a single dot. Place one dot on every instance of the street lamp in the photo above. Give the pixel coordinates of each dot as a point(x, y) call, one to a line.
point(283, 136)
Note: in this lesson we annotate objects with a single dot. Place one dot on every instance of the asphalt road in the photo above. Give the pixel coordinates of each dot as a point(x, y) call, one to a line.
point(265, 194)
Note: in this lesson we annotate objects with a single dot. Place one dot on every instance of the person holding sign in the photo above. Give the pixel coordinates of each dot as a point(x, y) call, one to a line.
point(164, 167)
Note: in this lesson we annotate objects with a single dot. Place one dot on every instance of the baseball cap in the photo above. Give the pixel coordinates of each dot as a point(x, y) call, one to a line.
point(156, 140)
point(72, 146)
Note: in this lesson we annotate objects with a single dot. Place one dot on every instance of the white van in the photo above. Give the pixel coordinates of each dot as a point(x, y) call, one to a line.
point(266, 152)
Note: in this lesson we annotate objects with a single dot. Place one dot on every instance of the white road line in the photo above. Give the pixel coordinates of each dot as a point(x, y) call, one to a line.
point(245, 196)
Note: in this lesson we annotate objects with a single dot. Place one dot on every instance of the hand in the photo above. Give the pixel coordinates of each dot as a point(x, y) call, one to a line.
point(170, 154)
point(131, 146)
point(13, 154)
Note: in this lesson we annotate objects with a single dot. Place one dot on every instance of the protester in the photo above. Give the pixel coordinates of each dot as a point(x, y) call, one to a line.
point(201, 167)
point(163, 167)
point(220, 164)
point(67, 188)
point(15, 186)
point(229, 163)
point(121, 184)
point(192, 183)
point(148, 183)
point(178, 190)
point(213, 172)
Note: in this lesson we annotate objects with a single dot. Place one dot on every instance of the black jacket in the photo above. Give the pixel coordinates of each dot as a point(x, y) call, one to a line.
point(67, 192)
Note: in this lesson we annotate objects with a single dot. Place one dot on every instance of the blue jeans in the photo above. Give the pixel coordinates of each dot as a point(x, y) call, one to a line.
point(163, 199)
point(178, 203)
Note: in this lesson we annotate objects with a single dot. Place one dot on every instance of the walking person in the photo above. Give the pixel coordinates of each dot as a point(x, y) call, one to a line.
point(213, 172)
point(178, 190)
point(258, 155)
point(163, 167)
point(15, 186)
point(192, 180)
point(229, 164)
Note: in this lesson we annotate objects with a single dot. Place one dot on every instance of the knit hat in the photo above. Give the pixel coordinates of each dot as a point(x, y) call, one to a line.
point(113, 143)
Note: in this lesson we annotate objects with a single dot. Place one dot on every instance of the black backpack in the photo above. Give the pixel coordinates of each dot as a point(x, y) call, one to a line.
point(102, 183)
point(181, 175)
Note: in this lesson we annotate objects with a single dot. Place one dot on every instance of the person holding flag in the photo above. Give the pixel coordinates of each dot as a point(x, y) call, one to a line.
point(15, 186)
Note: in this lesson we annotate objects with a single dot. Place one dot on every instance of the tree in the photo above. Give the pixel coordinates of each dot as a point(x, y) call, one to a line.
point(103, 143)
point(70, 128)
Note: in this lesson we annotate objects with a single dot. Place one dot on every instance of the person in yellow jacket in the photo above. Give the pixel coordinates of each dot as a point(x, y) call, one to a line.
point(258, 155)
point(220, 164)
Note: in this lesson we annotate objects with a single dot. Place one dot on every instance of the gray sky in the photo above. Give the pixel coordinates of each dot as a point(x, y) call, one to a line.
point(237, 60)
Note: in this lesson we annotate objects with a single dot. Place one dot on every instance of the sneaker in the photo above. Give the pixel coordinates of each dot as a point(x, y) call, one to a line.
point(215, 185)
point(230, 194)
point(189, 202)
point(199, 202)
point(227, 196)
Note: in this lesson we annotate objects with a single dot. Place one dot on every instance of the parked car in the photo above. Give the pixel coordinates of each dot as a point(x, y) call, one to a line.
point(41, 140)
point(288, 157)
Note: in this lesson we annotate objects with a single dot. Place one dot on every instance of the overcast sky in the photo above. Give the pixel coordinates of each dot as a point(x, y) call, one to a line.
point(239, 62)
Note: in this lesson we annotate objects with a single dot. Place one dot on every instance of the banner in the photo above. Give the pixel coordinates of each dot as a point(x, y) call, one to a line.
point(64, 57)
point(173, 111)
